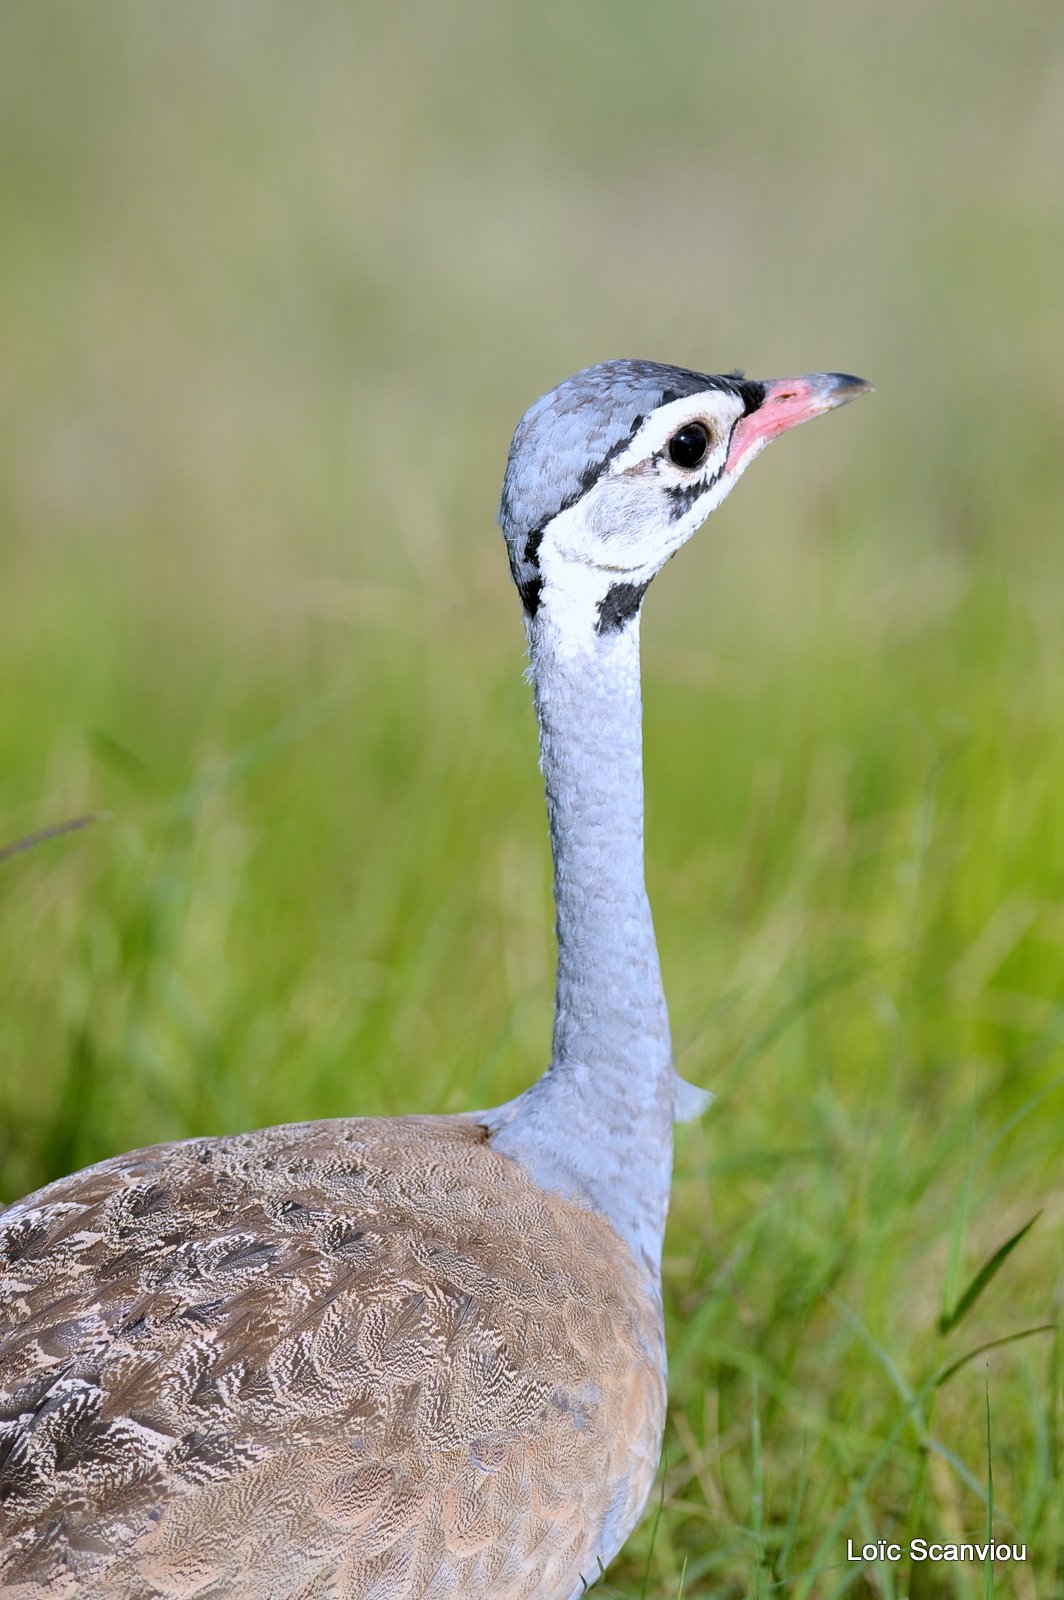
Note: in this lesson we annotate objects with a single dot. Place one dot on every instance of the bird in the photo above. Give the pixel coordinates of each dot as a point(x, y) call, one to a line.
point(420, 1356)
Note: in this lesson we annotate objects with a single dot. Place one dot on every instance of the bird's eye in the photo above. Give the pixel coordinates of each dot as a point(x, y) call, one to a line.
point(688, 447)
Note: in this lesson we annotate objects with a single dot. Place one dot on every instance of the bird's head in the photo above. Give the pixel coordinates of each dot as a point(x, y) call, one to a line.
point(612, 471)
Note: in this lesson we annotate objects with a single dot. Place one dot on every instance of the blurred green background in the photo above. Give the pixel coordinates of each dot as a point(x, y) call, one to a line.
point(276, 283)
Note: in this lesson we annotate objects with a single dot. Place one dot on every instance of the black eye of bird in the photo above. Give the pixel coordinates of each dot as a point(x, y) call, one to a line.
point(687, 448)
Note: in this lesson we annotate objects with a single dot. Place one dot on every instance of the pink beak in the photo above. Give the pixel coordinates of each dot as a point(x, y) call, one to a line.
point(787, 402)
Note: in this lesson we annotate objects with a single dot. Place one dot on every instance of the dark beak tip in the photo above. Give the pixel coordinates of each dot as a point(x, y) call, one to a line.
point(843, 386)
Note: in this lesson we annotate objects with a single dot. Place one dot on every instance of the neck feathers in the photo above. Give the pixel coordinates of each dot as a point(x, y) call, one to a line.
point(610, 1004)
point(599, 1123)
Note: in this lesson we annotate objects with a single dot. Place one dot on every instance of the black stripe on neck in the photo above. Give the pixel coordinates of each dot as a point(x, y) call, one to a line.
point(530, 590)
point(619, 605)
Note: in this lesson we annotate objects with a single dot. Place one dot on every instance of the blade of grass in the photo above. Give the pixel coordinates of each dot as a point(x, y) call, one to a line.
point(645, 1591)
point(987, 1272)
point(757, 1492)
point(55, 831)
point(955, 1259)
point(993, 1344)
point(988, 1566)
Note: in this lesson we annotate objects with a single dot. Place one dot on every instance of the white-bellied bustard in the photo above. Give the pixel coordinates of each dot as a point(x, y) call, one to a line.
point(421, 1356)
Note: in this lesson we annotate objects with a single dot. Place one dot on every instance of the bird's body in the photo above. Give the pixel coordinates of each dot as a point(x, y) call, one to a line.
point(417, 1357)
point(337, 1359)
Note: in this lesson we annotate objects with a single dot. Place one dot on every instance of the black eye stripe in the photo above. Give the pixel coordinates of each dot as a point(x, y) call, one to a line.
point(682, 496)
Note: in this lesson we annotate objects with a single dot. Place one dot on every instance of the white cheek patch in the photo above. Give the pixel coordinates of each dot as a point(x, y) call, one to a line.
point(622, 528)
point(623, 511)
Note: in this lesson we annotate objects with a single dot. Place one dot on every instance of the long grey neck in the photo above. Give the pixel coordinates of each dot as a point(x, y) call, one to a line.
point(598, 1124)
point(610, 1010)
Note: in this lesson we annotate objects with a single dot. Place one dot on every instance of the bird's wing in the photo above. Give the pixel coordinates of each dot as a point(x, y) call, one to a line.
point(339, 1359)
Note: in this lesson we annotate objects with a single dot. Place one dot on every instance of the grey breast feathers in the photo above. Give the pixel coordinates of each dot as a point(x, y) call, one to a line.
point(347, 1359)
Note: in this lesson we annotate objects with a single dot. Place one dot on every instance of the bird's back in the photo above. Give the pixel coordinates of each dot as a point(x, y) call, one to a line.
point(347, 1359)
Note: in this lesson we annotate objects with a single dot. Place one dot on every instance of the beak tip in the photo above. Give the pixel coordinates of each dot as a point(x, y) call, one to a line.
point(841, 387)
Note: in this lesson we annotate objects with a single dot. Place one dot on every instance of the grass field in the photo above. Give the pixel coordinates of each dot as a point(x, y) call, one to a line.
point(276, 283)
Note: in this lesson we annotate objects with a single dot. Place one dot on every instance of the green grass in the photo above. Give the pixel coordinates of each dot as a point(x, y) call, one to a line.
point(276, 284)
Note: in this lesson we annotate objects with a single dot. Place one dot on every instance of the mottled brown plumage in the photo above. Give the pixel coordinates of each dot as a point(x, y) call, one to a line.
point(337, 1360)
